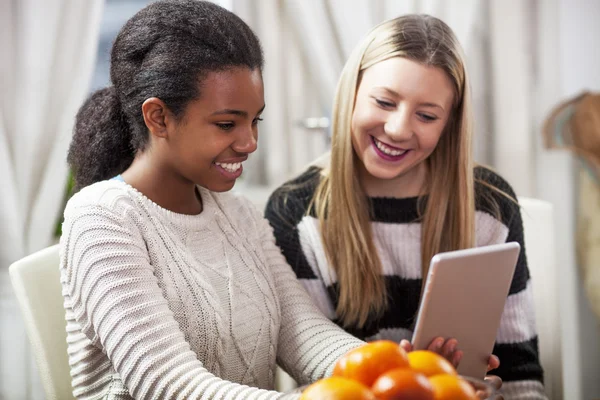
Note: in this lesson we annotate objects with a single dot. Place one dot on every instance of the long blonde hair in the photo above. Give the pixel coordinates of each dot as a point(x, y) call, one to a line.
point(342, 205)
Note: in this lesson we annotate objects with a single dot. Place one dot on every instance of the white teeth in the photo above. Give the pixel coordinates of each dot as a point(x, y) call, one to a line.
point(229, 167)
point(387, 150)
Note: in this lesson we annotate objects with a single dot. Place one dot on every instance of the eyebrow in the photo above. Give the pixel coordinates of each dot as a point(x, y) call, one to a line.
point(237, 112)
point(426, 104)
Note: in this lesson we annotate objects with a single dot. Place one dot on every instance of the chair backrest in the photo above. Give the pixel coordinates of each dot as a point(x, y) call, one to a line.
point(36, 282)
point(538, 224)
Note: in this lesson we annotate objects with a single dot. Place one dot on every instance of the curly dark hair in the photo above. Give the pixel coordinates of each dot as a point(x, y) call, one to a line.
point(163, 51)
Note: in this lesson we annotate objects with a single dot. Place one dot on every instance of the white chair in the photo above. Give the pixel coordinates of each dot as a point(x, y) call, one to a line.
point(36, 282)
point(538, 224)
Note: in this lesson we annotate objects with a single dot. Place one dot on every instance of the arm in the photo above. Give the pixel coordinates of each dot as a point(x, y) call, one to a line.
point(285, 213)
point(117, 301)
point(516, 342)
point(309, 343)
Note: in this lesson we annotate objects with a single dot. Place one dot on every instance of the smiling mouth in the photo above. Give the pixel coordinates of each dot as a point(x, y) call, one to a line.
point(230, 167)
point(388, 150)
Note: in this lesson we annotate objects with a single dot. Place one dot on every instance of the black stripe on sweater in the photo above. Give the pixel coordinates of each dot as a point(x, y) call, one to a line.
point(524, 363)
point(403, 297)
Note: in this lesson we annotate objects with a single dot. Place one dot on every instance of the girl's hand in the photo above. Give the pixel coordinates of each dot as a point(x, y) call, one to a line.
point(446, 348)
point(449, 350)
point(496, 382)
point(493, 363)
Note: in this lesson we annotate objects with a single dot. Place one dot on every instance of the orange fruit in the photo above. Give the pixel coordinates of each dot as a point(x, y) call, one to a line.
point(335, 388)
point(402, 384)
point(429, 363)
point(451, 387)
point(364, 364)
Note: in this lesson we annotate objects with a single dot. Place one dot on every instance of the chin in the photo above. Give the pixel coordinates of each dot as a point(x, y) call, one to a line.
point(221, 186)
point(386, 176)
point(383, 173)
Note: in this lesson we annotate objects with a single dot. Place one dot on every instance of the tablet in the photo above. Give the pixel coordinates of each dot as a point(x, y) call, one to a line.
point(464, 298)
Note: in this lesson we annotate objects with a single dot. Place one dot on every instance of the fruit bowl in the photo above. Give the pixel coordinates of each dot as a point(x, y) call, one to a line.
point(484, 389)
point(382, 370)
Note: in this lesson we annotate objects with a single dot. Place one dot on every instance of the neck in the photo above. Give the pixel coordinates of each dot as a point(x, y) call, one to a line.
point(163, 186)
point(410, 184)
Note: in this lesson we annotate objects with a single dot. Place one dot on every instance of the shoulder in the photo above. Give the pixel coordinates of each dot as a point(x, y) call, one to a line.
point(292, 199)
point(114, 197)
point(494, 195)
point(102, 213)
point(299, 190)
point(485, 175)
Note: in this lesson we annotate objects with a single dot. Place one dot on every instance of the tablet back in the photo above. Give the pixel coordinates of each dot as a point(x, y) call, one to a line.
point(464, 298)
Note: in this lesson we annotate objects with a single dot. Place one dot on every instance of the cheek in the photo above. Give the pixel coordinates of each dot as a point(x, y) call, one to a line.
point(360, 140)
point(364, 122)
point(367, 118)
point(430, 138)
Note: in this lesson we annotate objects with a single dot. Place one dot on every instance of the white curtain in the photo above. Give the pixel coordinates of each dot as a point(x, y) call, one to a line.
point(49, 49)
point(523, 38)
point(512, 36)
point(285, 145)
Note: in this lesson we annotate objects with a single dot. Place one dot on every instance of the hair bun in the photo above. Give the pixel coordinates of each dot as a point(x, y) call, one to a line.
point(100, 125)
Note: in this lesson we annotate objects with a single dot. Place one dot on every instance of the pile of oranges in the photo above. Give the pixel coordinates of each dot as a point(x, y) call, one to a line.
point(382, 370)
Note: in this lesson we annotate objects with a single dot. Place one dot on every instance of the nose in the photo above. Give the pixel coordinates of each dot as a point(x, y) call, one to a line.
point(247, 141)
point(398, 126)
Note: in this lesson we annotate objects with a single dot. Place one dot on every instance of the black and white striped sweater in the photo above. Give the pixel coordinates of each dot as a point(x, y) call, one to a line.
point(397, 236)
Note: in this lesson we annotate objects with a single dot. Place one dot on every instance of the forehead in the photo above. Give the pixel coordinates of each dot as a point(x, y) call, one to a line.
point(409, 79)
point(235, 88)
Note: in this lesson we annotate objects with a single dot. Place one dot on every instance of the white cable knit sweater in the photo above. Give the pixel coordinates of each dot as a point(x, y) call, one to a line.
point(162, 305)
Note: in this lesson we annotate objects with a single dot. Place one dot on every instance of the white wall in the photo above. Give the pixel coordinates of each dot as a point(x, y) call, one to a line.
point(578, 69)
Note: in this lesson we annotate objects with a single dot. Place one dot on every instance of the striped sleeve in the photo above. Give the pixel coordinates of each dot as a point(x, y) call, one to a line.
point(286, 212)
point(516, 342)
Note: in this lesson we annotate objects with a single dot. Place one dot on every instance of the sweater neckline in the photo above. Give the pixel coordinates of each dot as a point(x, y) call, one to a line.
point(395, 209)
point(209, 207)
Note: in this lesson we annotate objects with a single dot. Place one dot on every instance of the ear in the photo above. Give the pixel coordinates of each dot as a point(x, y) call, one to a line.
point(157, 117)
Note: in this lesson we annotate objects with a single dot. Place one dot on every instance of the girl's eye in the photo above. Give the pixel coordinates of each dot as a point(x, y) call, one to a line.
point(256, 120)
point(225, 126)
point(384, 104)
point(427, 117)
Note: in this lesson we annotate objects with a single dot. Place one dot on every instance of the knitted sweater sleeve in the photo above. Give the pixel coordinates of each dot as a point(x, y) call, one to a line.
point(516, 342)
point(110, 285)
point(309, 343)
